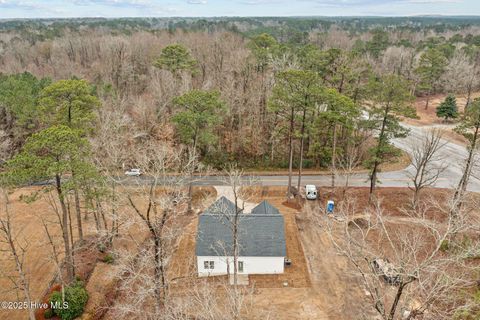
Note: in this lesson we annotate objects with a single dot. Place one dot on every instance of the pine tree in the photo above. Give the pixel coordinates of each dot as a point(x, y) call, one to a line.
point(431, 67)
point(391, 98)
point(295, 95)
point(448, 108)
point(176, 58)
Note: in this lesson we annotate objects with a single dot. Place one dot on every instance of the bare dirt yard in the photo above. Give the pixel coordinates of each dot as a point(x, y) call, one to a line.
point(325, 286)
point(321, 283)
point(27, 214)
point(27, 224)
point(336, 291)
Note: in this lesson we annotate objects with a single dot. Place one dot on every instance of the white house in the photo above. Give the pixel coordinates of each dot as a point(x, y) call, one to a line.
point(261, 237)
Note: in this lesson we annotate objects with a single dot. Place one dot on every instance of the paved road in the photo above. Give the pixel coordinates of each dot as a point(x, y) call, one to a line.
point(451, 154)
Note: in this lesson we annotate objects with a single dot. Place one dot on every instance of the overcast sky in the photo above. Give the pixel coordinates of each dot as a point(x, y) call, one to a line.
point(208, 8)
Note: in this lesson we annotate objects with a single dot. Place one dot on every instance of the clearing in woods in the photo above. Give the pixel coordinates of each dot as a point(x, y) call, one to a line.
point(320, 285)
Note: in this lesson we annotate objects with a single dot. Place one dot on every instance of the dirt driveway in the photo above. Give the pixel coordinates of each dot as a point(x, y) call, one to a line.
point(334, 293)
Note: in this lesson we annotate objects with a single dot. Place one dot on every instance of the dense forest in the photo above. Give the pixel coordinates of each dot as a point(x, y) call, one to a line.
point(147, 73)
point(84, 100)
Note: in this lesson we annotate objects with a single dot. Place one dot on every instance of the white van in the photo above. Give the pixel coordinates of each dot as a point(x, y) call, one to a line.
point(133, 172)
point(311, 192)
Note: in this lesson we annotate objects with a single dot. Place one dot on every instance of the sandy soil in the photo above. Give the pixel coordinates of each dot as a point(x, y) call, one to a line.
point(395, 201)
point(450, 135)
point(26, 222)
point(321, 285)
point(333, 293)
point(26, 219)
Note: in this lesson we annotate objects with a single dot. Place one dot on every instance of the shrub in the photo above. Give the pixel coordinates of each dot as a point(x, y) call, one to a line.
point(445, 245)
point(108, 258)
point(75, 296)
point(471, 311)
point(48, 314)
point(448, 108)
point(102, 247)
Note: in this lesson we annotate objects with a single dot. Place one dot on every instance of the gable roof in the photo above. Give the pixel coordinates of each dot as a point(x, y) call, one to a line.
point(265, 208)
point(222, 206)
point(259, 235)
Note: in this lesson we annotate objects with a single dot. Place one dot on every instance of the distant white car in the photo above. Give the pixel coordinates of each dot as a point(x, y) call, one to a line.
point(311, 192)
point(133, 172)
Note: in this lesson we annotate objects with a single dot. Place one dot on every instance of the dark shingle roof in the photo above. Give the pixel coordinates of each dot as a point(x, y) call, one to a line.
point(265, 208)
point(260, 235)
point(222, 206)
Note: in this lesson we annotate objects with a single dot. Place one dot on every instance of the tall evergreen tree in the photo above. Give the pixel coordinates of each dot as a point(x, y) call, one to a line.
point(69, 102)
point(295, 94)
point(448, 108)
point(263, 47)
point(379, 42)
point(53, 153)
point(390, 97)
point(176, 58)
point(200, 111)
point(431, 66)
point(19, 114)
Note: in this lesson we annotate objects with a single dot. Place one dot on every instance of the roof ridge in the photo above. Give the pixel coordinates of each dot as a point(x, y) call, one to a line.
point(243, 215)
point(265, 207)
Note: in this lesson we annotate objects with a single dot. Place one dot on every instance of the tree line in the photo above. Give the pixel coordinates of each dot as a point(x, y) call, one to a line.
point(78, 110)
point(235, 99)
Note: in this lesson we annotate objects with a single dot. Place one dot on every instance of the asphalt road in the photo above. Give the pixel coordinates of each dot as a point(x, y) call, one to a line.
point(451, 155)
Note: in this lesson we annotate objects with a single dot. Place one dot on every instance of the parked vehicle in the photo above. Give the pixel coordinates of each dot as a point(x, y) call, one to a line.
point(330, 206)
point(311, 192)
point(133, 172)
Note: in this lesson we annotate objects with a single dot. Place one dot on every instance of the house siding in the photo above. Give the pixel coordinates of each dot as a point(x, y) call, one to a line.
point(251, 265)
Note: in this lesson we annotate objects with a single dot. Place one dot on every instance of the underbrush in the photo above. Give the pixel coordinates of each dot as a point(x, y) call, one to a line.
point(72, 305)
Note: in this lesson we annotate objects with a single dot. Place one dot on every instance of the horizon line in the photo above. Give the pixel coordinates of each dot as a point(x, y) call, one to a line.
point(233, 16)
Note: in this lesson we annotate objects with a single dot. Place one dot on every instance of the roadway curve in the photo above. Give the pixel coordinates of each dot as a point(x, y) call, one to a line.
point(451, 154)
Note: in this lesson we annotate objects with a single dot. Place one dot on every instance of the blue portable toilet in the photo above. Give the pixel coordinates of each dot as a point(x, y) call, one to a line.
point(330, 206)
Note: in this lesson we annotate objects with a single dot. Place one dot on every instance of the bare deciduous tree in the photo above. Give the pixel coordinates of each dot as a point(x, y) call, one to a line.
point(401, 261)
point(16, 249)
point(349, 162)
point(239, 185)
point(162, 207)
point(427, 164)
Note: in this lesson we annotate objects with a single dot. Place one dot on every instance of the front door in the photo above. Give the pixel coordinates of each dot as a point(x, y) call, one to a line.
point(240, 266)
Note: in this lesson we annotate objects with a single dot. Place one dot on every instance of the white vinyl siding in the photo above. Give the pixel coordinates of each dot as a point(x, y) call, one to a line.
point(251, 265)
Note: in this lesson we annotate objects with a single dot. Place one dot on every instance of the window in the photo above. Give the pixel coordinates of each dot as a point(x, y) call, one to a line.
point(212, 264)
point(240, 266)
point(208, 264)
